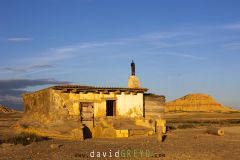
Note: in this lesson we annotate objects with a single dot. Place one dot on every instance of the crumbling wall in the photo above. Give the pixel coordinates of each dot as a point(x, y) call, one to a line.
point(37, 105)
point(46, 113)
point(55, 113)
point(44, 106)
point(154, 106)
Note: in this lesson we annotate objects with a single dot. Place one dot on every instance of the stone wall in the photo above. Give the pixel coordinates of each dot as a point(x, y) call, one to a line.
point(54, 104)
point(154, 106)
point(128, 105)
point(45, 106)
point(46, 114)
point(56, 113)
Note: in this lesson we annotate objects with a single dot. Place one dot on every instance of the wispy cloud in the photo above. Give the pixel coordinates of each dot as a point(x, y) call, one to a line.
point(12, 69)
point(24, 69)
point(19, 39)
point(182, 55)
point(41, 66)
point(157, 36)
point(85, 45)
point(156, 39)
point(232, 46)
point(189, 56)
point(70, 51)
point(233, 26)
point(110, 48)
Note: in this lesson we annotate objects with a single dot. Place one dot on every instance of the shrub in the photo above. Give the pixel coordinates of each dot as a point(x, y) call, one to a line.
point(25, 139)
point(24, 126)
point(184, 126)
point(170, 127)
point(1, 141)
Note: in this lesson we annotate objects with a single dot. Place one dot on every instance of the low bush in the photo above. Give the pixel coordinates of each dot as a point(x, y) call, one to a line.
point(1, 141)
point(170, 127)
point(25, 126)
point(25, 139)
point(184, 126)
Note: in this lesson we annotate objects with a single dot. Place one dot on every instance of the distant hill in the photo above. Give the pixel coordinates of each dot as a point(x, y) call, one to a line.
point(4, 109)
point(196, 102)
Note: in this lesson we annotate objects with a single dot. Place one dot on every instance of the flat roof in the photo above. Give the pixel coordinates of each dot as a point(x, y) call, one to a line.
point(81, 88)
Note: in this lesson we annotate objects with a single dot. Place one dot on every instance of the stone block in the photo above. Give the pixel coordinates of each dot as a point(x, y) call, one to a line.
point(150, 133)
point(121, 133)
point(124, 131)
point(161, 123)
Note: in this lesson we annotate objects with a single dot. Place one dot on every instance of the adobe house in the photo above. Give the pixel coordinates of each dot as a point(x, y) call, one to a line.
point(78, 112)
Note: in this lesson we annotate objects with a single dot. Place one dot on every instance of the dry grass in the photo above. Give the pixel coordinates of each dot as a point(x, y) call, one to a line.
point(24, 139)
point(184, 126)
point(185, 120)
point(172, 124)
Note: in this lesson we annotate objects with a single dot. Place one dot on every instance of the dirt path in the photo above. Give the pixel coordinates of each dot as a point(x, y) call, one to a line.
point(180, 144)
point(192, 144)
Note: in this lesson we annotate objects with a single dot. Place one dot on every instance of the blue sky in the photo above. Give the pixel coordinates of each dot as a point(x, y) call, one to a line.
point(179, 47)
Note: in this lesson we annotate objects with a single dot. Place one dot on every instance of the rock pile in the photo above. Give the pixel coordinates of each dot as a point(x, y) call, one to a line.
point(4, 109)
point(196, 102)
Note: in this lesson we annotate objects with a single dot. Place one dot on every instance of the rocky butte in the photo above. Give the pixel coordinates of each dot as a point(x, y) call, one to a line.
point(196, 102)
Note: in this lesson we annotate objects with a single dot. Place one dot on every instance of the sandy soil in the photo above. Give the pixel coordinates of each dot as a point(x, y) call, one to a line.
point(183, 116)
point(7, 120)
point(182, 144)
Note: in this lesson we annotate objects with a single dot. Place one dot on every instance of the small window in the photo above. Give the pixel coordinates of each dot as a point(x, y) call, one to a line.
point(110, 108)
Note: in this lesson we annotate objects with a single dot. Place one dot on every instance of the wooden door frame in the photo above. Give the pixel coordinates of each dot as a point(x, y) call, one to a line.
point(80, 108)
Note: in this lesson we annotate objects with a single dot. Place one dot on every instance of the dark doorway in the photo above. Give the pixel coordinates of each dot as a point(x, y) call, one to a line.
point(110, 108)
point(86, 132)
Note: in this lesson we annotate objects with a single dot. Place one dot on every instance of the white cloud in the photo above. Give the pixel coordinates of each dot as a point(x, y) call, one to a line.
point(19, 39)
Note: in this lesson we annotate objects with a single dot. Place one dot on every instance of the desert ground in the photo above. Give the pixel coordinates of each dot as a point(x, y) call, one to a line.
point(186, 140)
